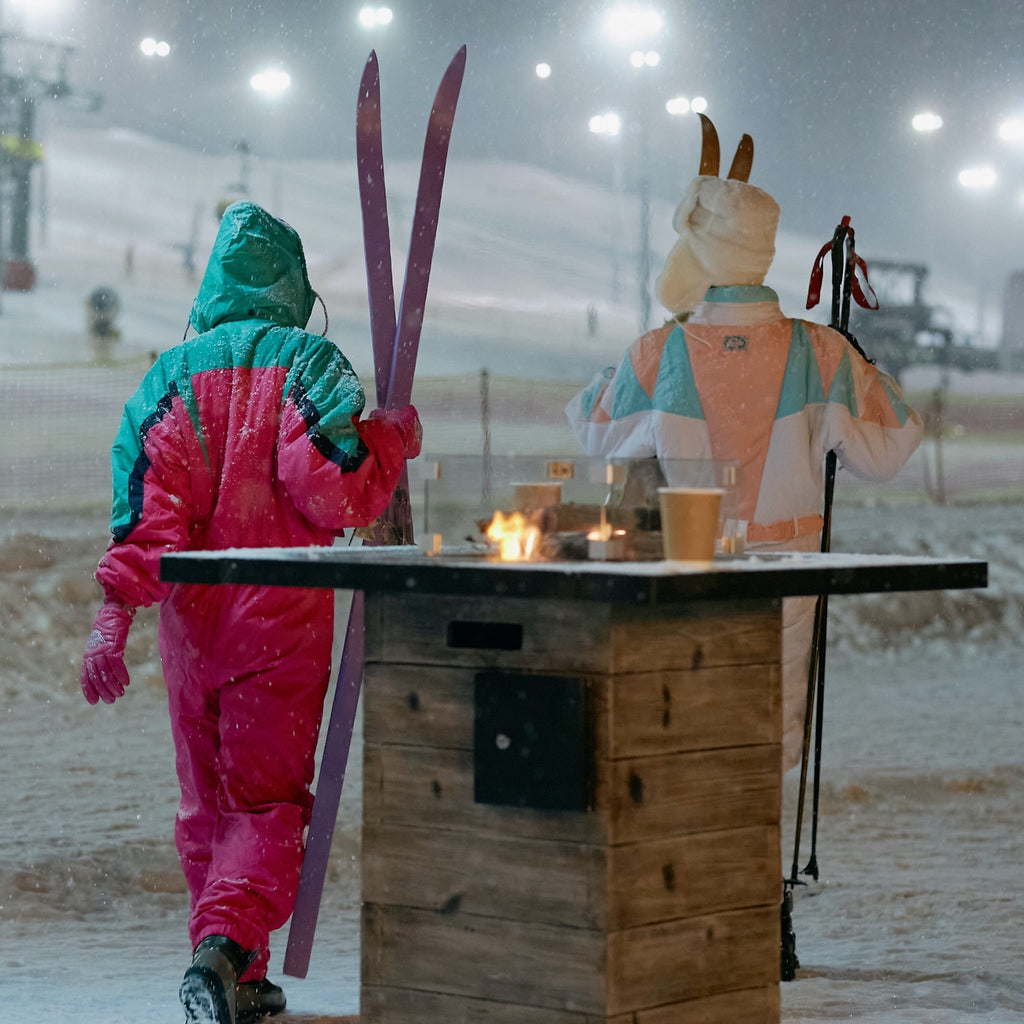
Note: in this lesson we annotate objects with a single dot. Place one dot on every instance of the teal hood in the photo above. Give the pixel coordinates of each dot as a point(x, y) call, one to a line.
point(257, 271)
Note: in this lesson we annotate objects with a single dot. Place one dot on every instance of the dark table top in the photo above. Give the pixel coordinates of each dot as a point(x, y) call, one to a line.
point(407, 569)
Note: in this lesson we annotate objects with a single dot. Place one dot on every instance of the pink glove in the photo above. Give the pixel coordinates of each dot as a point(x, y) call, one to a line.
point(104, 676)
point(407, 422)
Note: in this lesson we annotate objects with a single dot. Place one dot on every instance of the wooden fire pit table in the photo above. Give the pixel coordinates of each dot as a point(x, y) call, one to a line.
point(572, 776)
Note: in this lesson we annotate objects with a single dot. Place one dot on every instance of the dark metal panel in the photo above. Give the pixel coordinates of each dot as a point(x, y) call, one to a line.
point(531, 741)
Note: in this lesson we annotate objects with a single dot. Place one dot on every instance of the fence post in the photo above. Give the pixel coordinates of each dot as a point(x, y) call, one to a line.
point(485, 424)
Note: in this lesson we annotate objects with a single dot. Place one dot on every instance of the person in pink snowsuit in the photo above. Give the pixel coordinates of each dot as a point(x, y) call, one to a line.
point(249, 434)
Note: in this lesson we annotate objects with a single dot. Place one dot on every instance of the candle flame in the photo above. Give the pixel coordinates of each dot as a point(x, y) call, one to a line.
point(516, 538)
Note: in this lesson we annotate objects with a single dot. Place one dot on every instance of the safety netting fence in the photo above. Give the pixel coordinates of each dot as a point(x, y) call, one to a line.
point(59, 421)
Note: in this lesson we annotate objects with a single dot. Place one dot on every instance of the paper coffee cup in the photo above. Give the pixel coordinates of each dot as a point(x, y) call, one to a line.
point(689, 523)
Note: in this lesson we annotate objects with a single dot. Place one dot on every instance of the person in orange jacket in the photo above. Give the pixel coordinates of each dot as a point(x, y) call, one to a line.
point(730, 377)
point(249, 434)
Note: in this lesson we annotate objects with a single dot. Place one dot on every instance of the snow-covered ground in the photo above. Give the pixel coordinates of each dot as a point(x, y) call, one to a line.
point(916, 918)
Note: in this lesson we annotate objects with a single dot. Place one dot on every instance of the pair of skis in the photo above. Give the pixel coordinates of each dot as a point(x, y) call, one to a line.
point(395, 346)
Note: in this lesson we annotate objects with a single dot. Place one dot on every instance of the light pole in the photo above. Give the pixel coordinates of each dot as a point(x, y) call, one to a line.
point(1011, 342)
point(608, 127)
point(641, 60)
point(979, 180)
point(272, 83)
point(539, 95)
point(927, 126)
point(635, 25)
point(981, 200)
point(31, 70)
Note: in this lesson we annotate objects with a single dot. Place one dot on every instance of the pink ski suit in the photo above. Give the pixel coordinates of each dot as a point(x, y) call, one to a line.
point(740, 381)
point(247, 435)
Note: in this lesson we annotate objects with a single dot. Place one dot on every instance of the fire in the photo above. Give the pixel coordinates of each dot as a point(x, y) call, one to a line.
point(604, 530)
point(605, 544)
point(517, 539)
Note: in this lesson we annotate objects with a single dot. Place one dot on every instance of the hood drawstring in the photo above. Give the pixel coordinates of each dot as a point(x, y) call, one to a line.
point(323, 305)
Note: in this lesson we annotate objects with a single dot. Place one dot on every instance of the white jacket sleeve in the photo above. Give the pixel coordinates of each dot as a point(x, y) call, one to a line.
point(604, 426)
point(866, 420)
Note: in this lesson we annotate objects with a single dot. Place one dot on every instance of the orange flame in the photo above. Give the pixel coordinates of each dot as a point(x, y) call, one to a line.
point(516, 538)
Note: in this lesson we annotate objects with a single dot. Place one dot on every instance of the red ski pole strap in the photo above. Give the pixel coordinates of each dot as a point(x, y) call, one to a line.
point(855, 285)
point(858, 264)
point(817, 276)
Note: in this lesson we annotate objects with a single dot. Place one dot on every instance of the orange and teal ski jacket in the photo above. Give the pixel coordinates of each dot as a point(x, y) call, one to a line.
point(740, 381)
point(247, 435)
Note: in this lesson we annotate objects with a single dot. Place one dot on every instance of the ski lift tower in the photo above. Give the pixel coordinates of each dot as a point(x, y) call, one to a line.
point(31, 70)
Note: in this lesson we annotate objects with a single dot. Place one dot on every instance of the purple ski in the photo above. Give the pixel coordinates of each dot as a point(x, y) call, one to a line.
point(376, 235)
point(395, 347)
point(424, 231)
point(405, 344)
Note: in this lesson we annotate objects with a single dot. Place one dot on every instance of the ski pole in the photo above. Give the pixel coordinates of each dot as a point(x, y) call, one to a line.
point(836, 248)
point(815, 671)
point(845, 285)
point(789, 961)
point(845, 264)
point(842, 246)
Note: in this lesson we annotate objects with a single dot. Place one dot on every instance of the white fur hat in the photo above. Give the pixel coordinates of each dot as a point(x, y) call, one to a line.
point(726, 236)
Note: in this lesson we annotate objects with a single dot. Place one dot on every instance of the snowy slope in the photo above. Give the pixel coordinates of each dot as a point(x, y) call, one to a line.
point(521, 255)
point(916, 918)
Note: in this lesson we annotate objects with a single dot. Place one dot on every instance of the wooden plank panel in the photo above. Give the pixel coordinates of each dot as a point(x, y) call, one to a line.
point(635, 799)
point(381, 1005)
point(705, 791)
point(661, 712)
point(575, 636)
point(491, 875)
point(557, 636)
point(698, 635)
point(692, 958)
point(467, 905)
point(419, 705)
point(652, 712)
point(425, 786)
point(570, 969)
point(432, 706)
point(687, 876)
point(484, 958)
point(570, 883)
point(748, 1006)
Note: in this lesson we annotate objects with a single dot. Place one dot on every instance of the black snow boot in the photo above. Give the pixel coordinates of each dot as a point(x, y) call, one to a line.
point(255, 1000)
point(208, 989)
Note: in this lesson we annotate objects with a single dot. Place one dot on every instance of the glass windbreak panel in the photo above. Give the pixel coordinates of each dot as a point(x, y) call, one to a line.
point(470, 502)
